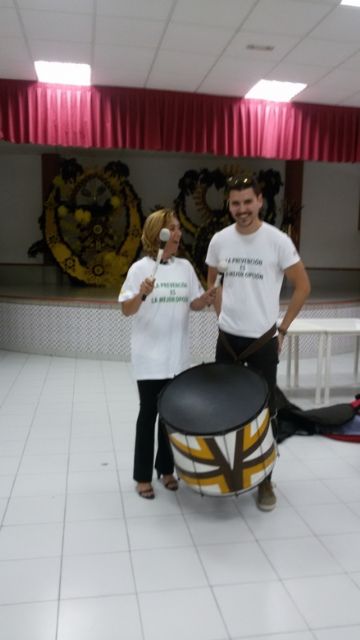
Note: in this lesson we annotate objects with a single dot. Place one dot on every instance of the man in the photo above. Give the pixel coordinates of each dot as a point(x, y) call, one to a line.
point(258, 256)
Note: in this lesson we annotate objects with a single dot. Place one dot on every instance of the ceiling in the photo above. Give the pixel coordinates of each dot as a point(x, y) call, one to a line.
point(202, 46)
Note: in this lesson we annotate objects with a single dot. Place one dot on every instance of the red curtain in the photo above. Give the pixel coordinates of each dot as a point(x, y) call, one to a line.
point(105, 117)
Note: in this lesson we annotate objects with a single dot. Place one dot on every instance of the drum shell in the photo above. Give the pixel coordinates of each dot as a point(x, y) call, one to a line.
point(229, 462)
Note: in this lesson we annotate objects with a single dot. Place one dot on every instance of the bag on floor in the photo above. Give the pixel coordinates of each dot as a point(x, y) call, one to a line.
point(334, 421)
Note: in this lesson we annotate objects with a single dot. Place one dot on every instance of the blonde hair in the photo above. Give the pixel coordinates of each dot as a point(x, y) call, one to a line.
point(152, 227)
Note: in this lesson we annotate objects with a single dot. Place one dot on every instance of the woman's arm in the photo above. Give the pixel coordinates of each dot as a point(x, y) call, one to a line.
point(205, 300)
point(132, 306)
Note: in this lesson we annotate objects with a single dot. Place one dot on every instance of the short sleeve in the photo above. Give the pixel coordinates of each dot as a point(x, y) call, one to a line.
point(288, 255)
point(212, 258)
point(195, 288)
point(131, 285)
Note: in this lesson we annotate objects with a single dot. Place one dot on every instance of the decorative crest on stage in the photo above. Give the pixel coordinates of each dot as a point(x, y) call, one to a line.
point(201, 207)
point(92, 223)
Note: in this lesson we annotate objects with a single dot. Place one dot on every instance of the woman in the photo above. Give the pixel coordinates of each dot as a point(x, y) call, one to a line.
point(160, 338)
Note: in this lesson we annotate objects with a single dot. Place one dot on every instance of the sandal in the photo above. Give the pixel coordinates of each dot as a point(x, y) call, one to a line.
point(147, 493)
point(170, 483)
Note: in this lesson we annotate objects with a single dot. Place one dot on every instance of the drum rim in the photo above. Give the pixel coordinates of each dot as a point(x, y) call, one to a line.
point(223, 432)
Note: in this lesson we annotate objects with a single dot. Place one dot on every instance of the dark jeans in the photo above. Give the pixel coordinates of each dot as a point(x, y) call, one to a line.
point(145, 435)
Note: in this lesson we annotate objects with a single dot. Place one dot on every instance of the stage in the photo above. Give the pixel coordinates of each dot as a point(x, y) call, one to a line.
point(56, 318)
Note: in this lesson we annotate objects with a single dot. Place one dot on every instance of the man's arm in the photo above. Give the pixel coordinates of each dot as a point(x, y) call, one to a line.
point(298, 278)
point(212, 273)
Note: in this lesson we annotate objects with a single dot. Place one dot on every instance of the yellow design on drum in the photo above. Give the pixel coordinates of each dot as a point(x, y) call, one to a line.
point(228, 463)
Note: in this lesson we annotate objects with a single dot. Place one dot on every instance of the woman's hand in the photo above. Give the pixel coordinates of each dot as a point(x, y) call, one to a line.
point(147, 287)
point(209, 296)
point(132, 306)
point(205, 300)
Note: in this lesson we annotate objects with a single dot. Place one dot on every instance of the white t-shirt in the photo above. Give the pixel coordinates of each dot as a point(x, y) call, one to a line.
point(252, 283)
point(160, 331)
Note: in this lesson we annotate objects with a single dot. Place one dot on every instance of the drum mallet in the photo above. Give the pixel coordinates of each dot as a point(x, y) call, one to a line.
point(222, 269)
point(164, 236)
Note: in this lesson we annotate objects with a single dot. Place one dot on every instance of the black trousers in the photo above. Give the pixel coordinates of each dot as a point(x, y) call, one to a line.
point(264, 361)
point(145, 435)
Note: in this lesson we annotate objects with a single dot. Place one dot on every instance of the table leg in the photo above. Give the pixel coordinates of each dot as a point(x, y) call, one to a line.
point(327, 368)
point(319, 368)
point(296, 361)
point(288, 362)
point(356, 361)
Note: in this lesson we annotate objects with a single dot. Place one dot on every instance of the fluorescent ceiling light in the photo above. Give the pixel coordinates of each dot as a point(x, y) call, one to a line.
point(275, 90)
point(351, 3)
point(63, 72)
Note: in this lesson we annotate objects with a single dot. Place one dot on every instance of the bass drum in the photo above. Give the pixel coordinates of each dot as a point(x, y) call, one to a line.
point(218, 422)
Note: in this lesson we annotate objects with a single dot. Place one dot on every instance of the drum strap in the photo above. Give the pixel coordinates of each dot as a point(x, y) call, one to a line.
point(254, 346)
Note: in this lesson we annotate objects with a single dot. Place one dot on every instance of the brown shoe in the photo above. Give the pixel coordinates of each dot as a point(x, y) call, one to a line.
point(266, 498)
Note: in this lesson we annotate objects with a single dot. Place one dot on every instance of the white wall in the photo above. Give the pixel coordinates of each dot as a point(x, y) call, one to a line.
point(20, 205)
point(330, 235)
point(329, 229)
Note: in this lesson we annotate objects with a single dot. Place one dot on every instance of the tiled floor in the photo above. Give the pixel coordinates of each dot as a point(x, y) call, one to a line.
point(82, 557)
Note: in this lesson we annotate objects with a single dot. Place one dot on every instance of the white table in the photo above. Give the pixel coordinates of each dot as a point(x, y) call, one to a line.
point(325, 328)
point(299, 327)
point(339, 326)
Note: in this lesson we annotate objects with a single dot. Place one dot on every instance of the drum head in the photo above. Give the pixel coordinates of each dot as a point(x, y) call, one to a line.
point(212, 398)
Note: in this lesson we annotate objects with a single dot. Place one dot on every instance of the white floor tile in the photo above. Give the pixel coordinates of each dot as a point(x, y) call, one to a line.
point(161, 569)
point(30, 541)
point(233, 563)
point(48, 445)
point(3, 504)
point(44, 484)
point(280, 523)
point(93, 506)
point(92, 461)
point(308, 447)
point(300, 557)
point(218, 528)
point(31, 509)
point(251, 609)
point(189, 614)
point(8, 432)
point(326, 601)
point(158, 532)
point(332, 468)
point(298, 635)
point(92, 481)
point(11, 447)
point(346, 489)
point(100, 618)
point(96, 575)
point(165, 503)
point(192, 502)
point(35, 621)
point(307, 492)
point(95, 536)
point(330, 519)
point(9, 465)
point(6, 483)
point(55, 463)
point(343, 633)
point(84, 444)
point(206, 568)
point(34, 580)
point(345, 548)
